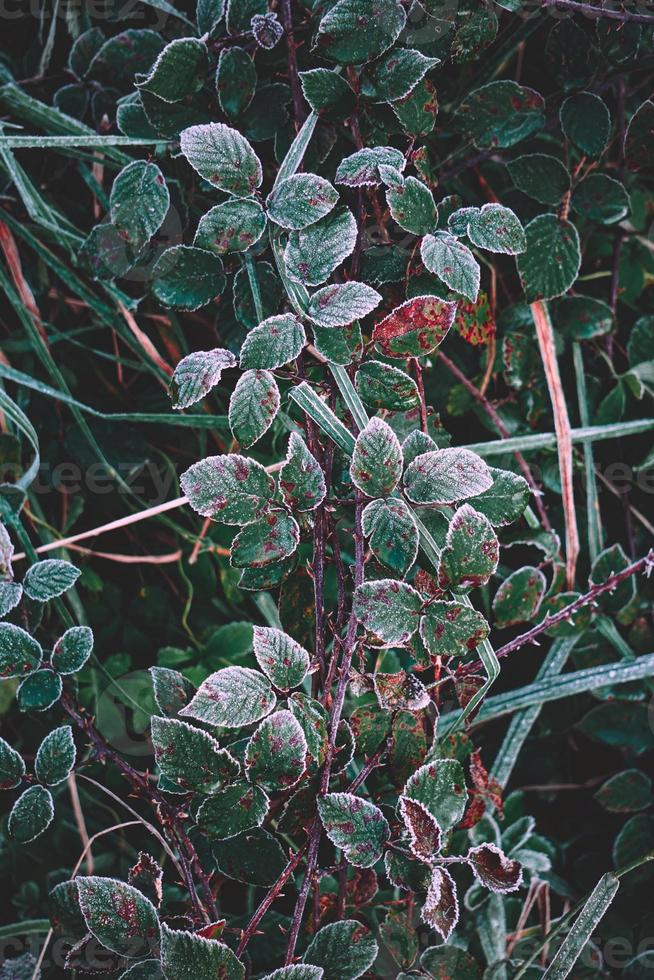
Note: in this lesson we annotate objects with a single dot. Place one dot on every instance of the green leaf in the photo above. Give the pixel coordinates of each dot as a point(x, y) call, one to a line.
point(358, 827)
point(236, 80)
point(441, 908)
point(186, 278)
point(440, 787)
point(241, 12)
point(382, 385)
point(190, 758)
point(450, 629)
point(144, 970)
point(31, 814)
point(352, 34)
point(414, 328)
point(171, 690)
point(253, 406)
point(301, 479)
point(139, 202)
point(50, 578)
point(105, 253)
point(476, 33)
point(392, 533)
point(377, 462)
point(396, 74)
point(550, 264)
point(504, 501)
point(638, 151)
point(10, 595)
point(207, 15)
point(325, 89)
point(118, 915)
point(179, 71)
point(406, 873)
point(231, 489)
point(400, 691)
point(284, 662)
point(254, 857)
point(519, 596)
point(412, 206)
point(231, 698)
point(12, 767)
point(452, 262)
point(600, 198)
point(471, 551)
point(610, 561)
point(388, 609)
point(124, 54)
point(223, 157)
point(197, 373)
point(266, 542)
point(275, 757)
point(586, 121)
point(500, 114)
point(444, 476)
point(362, 168)
point(39, 691)
point(400, 937)
point(231, 227)
point(301, 200)
point(447, 962)
point(417, 112)
point(578, 937)
point(275, 342)
point(188, 956)
point(583, 317)
point(540, 176)
point(231, 812)
point(313, 721)
point(72, 650)
point(56, 756)
point(497, 229)
point(342, 303)
point(626, 792)
point(338, 346)
point(313, 253)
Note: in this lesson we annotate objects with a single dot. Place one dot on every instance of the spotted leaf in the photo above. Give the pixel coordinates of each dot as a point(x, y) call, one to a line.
point(232, 697)
point(415, 328)
point(376, 466)
point(358, 827)
point(276, 754)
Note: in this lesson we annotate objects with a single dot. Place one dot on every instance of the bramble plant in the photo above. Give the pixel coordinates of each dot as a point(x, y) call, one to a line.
point(366, 234)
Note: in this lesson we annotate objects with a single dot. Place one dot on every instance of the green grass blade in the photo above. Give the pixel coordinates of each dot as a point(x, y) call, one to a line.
point(584, 927)
point(523, 722)
point(593, 516)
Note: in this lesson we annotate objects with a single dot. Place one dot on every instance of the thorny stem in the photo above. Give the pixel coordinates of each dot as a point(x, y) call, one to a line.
point(168, 815)
point(336, 711)
point(644, 564)
point(293, 77)
point(625, 16)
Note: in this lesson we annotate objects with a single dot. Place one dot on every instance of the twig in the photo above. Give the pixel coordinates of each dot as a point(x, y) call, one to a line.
point(146, 344)
point(545, 336)
point(598, 12)
point(12, 257)
point(503, 431)
point(80, 821)
point(296, 89)
point(644, 564)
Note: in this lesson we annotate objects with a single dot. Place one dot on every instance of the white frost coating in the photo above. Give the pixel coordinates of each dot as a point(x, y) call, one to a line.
point(231, 698)
point(342, 303)
point(280, 657)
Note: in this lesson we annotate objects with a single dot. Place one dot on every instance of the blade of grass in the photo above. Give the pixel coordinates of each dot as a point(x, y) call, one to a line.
point(545, 335)
point(593, 515)
point(587, 921)
point(523, 722)
point(554, 688)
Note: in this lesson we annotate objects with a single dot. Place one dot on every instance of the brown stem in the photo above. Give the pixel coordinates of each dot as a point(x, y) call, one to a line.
point(625, 16)
point(644, 564)
point(337, 708)
point(293, 77)
point(503, 431)
point(545, 335)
